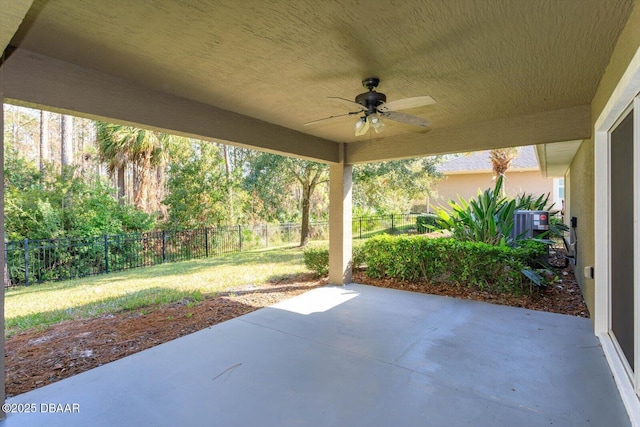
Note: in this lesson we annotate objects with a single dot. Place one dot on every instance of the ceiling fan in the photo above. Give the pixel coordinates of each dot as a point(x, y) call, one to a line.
point(373, 106)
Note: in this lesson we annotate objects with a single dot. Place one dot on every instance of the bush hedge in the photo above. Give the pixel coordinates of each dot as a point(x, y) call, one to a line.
point(469, 264)
point(317, 259)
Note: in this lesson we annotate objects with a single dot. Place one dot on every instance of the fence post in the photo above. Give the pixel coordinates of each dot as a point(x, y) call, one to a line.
point(360, 234)
point(206, 242)
point(106, 253)
point(164, 246)
point(393, 228)
point(240, 237)
point(26, 262)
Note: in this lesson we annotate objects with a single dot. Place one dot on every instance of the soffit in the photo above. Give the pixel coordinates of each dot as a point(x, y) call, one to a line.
point(556, 158)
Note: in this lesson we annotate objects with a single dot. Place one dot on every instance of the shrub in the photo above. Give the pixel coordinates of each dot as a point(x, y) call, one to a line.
point(317, 259)
point(426, 223)
point(358, 256)
point(463, 263)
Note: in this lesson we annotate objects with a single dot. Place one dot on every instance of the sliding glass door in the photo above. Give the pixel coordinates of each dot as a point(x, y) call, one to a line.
point(623, 259)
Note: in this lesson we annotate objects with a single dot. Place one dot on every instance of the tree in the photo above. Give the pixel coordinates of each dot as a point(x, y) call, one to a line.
point(273, 177)
point(121, 146)
point(391, 187)
point(501, 159)
point(66, 140)
point(309, 175)
point(61, 205)
point(44, 142)
point(113, 153)
point(21, 130)
point(197, 183)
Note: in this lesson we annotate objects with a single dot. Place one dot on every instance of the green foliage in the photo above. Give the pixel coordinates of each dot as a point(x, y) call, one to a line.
point(142, 150)
point(489, 217)
point(19, 173)
point(391, 187)
point(272, 192)
point(317, 259)
point(197, 187)
point(67, 206)
point(279, 186)
point(463, 263)
point(426, 223)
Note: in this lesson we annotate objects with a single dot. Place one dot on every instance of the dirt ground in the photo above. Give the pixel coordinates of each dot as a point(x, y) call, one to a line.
point(37, 358)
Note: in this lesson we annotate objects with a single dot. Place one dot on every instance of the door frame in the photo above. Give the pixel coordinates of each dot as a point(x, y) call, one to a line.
point(623, 97)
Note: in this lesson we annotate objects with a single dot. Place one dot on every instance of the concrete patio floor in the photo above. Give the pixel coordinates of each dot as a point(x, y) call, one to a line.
point(353, 356)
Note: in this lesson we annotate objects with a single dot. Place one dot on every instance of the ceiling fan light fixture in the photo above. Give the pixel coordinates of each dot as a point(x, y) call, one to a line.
point(362, 126)
point(375, 123)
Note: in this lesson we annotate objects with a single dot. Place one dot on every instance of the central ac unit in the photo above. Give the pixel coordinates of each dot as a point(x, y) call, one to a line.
point(529, 224)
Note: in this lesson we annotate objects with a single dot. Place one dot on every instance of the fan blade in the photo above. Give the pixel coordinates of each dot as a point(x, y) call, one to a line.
point(348, 101)
point(331, 117)
point(405, 118)
point(406, 103)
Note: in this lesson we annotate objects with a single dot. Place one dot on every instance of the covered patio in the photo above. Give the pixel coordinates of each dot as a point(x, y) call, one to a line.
point(252, 73)
point(349, 356)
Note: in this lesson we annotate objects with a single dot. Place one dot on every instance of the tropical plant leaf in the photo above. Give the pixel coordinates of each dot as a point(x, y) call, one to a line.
point(535, 277)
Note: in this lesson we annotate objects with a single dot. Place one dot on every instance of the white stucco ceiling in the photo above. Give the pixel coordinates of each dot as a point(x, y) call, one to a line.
point(278, 61)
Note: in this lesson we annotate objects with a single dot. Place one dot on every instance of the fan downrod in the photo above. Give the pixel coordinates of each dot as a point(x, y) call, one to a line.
point(371, 82)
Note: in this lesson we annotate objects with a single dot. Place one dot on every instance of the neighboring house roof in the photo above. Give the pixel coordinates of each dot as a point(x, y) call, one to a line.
point(479, 162)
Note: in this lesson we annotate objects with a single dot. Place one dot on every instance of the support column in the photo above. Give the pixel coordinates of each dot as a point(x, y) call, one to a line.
point(3, 261)
point(340, 239)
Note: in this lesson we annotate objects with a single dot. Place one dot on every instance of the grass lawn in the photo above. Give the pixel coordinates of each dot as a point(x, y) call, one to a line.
point(49, 303)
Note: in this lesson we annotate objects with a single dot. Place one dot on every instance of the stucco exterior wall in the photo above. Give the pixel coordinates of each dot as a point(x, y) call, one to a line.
point(467, 185)
point(581, 206)
point(625, 49)
point(581, 203)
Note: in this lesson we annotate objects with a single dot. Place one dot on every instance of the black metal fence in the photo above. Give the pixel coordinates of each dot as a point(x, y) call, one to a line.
point(36, 261)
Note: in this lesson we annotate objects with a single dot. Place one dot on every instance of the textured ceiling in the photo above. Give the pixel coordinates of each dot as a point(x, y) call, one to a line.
point(11, 14)
point(279, 60)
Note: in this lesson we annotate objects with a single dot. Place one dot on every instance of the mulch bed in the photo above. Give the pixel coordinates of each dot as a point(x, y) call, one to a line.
point(37, 358)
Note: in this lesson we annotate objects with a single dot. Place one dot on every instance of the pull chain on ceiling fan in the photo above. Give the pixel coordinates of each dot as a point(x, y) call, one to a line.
point(373, 105)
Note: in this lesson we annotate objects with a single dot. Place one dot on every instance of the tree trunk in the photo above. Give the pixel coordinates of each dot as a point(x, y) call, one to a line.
point(307, 190)
point(161, 191)
point(66, 140)
point(44, 142)
point(121, 184)
point(227, 167)
point(141, 189)
point(15, 125)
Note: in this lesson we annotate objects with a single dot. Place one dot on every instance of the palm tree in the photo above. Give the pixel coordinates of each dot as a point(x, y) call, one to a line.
point(501, 159)
point(143, 150)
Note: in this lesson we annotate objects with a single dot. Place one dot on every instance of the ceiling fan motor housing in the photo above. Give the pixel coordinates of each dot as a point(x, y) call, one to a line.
point(371, 100)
